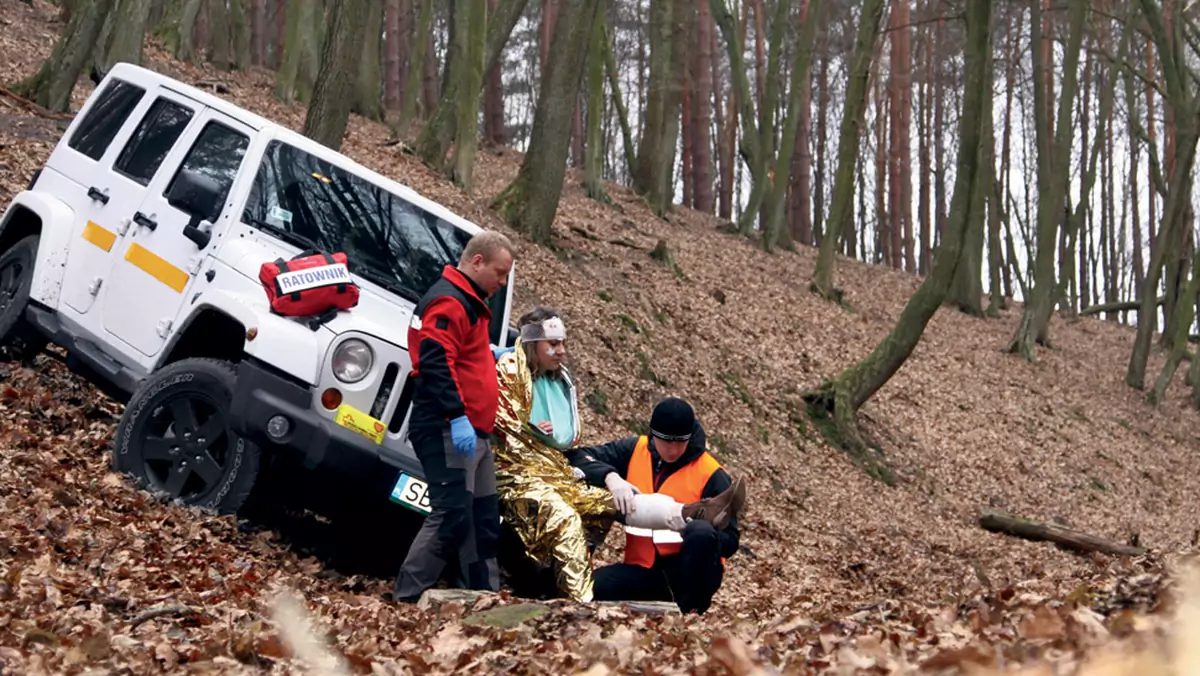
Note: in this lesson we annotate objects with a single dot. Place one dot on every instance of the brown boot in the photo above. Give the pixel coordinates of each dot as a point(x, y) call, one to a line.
point(719, 509)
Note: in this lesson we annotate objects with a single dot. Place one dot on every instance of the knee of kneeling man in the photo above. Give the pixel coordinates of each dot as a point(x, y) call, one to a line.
point(699, 531)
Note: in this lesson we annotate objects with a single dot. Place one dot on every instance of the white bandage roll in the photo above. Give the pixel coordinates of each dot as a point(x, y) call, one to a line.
point(656, 511)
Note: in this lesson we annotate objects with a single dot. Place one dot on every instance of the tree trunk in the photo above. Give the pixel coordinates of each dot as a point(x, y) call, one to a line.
point(610, 69)
point(239, 24)
point(128, 34)
point(594, 148)
point(822, 123)
point(395, 49)
point(51, 86)
point(530, 202)
point(471, 35)
point(966, 291)
point(220, 35)
point(841, 211)
point(702, 109)
point(660, 131)
point(368, 99)
point(298, 39)
point(1035, 319)
point(333, 93)
point(1178, 194)
point(774, 206)
point(843, 396)
point(493, 96)
point(281, 14)
point(441, 129)
point(1068, 538)
point(258, 32)
point(685, 139)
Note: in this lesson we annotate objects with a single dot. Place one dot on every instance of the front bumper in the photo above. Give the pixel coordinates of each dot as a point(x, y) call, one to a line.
point(322, 444)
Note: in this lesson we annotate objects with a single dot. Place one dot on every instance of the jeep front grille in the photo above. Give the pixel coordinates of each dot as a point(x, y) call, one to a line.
point(406, 395)
point(385, 390)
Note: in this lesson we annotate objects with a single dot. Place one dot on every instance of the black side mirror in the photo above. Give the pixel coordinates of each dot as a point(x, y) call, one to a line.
point(197, 194)
point(200, 197)
point(513, 335)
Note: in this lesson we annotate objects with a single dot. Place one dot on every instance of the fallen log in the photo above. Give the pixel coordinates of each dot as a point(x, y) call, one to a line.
point(1125, 305)
point(1068, 538)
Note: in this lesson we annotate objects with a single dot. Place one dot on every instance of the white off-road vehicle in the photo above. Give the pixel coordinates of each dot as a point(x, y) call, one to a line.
point(137, 249)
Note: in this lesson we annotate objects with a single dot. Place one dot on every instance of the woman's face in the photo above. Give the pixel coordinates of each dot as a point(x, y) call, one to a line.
point(550, 355)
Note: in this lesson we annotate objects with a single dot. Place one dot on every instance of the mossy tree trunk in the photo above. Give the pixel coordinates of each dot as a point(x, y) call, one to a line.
point(369, 98)
point(1035, 318)
point(768, 102)
point(416, 68)
point(177, 29)
point(614, 84)
point(530, 202)
point(54, 81)
point(128, 34)
point(966, 291)
point(842, 209)
point(1184, 111)
point(845, 394)
point(593, 161)
point(749, 147)
point(239, 22)
point(220, 35)
point(440, 129)
point(797, 87)
point(471, 36)
point(329, 111)
point(297, 42)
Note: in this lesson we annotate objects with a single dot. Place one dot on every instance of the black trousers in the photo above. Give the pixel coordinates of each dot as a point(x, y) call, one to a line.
point(464, 522)
point(690, 578)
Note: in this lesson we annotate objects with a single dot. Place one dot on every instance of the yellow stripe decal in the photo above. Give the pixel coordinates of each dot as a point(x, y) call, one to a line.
point(99, 236)
point(157, 267)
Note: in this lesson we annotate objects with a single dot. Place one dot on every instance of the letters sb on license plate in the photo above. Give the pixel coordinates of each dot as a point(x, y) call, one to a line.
point(356, 421)
point(411, 492)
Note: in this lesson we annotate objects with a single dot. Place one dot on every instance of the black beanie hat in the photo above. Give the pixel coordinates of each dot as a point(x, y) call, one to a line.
point(672, 420)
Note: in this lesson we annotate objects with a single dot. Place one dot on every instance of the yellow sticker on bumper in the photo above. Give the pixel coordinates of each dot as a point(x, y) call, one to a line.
point(356, 421)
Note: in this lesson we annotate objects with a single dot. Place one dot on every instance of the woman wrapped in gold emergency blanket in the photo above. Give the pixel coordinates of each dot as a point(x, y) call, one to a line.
point(543, 494)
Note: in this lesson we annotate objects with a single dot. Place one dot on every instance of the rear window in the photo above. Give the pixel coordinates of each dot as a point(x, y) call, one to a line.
point(105, 118)
point(152, 140)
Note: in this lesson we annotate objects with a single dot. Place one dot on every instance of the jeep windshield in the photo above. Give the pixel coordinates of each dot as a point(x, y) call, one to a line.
point(307, 201)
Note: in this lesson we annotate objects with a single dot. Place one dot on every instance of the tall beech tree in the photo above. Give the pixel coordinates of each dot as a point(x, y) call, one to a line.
point(843, 396)
point(530, 202)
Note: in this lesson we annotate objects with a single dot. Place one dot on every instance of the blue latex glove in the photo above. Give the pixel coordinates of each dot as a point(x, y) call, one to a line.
point(463, 436)
point(498, 352)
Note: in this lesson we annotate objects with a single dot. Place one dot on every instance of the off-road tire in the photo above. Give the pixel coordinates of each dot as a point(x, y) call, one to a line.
point(140, 449)
point(17, 337)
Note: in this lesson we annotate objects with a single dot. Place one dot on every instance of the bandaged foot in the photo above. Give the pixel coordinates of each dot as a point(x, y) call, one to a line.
point(656, 512)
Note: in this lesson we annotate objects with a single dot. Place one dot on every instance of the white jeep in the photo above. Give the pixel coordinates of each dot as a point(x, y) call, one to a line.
point(137, 249)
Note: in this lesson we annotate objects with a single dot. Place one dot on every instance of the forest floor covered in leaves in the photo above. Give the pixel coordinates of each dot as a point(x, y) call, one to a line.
point(838, 570)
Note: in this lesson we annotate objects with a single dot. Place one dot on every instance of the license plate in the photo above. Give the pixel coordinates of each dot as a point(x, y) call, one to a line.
point(356, 421)
point(411, 492)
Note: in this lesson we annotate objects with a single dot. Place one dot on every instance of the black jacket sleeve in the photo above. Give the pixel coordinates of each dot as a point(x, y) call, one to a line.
point(597, 461)
point(728, 538)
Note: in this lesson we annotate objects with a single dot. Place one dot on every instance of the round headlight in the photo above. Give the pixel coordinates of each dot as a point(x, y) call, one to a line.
point(352, 361)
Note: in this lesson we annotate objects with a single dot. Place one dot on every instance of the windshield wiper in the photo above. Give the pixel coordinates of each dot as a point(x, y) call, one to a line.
point(385, 281)
point(288, 236)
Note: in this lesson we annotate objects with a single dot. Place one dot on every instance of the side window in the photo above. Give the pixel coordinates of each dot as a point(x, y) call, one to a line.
point(105, 118)
point(217, 154)
point(152, 140)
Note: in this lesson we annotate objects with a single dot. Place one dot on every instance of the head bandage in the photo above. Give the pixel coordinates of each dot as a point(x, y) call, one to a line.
point(550, 329)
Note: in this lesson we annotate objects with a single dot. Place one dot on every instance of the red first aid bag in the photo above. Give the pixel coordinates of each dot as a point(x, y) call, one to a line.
point(309, 284)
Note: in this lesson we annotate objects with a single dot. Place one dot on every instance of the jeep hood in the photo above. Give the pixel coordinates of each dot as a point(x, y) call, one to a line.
point(379, 313)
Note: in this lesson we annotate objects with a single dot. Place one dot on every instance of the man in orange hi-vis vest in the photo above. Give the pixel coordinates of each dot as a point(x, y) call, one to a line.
point(685, 563)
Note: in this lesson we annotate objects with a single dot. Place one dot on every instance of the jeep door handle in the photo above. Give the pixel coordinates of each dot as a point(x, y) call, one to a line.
point(95, 194)
point(144, 220)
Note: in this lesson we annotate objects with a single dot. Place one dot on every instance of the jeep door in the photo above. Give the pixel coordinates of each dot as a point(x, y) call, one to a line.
point(153, 276)
point(109, 159)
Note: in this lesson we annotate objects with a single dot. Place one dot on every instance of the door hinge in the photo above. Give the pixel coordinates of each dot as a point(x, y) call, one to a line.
point(194, 264)
point(123, 226)
point(94, 287)
point(164, 328)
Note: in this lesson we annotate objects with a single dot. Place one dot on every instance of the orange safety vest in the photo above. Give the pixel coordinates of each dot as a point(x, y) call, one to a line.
point(685, 485)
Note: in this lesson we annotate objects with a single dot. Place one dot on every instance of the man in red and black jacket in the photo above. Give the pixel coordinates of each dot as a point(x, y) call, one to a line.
point(663, 565)
point(453, 412)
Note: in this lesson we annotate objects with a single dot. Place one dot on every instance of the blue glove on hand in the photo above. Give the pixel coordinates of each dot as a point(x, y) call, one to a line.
point(463, 435)
point(498, 352)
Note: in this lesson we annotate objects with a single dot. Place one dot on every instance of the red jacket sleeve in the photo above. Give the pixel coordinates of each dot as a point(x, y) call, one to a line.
point(438, 340)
